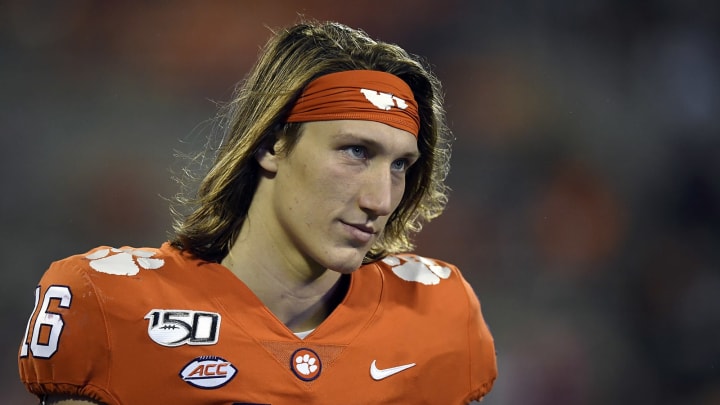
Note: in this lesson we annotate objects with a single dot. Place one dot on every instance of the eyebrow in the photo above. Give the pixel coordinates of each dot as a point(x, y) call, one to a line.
point(371, 143)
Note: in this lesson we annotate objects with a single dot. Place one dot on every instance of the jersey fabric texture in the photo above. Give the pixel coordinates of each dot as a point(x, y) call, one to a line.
point(151, 326)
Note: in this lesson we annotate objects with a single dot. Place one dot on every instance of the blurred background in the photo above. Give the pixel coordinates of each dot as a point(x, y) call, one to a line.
point(586, 170)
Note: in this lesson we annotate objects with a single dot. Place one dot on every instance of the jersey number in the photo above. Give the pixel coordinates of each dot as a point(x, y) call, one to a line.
point(46, 320)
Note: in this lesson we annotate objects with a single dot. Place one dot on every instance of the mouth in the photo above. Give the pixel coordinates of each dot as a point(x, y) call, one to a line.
point(360, 232)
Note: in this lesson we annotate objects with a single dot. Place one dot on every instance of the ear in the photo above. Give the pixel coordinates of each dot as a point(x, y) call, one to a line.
point(267, 159)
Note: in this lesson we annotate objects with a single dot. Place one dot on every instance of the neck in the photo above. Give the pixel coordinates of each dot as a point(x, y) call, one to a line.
point(298, 294)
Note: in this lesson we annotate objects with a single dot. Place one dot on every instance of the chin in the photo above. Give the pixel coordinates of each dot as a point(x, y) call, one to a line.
point(346, 268)
point(347, 264)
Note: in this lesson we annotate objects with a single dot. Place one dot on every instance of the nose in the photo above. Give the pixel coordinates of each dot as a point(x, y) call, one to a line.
point(377, 194)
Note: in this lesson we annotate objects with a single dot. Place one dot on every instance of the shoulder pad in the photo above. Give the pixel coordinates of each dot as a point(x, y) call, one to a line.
point(126, 261)
point(411, 267)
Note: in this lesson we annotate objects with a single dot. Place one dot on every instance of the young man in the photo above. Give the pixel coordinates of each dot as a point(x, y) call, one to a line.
point(287, 281)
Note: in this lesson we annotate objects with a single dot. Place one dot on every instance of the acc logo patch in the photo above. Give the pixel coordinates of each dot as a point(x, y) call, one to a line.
point(175, 327)
point(306, 364)
point(208, 372)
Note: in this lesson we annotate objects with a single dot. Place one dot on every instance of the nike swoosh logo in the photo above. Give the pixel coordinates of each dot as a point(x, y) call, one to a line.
point(379, 374)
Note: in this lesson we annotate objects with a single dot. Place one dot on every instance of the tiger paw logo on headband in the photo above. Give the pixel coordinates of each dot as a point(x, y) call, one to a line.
point(345, 95)
point(383, 101)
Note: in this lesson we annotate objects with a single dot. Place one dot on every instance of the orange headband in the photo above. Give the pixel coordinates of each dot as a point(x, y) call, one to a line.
point(368, 95)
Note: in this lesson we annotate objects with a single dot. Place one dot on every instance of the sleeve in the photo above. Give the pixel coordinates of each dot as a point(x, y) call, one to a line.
point(65, 349)
point(481, 349)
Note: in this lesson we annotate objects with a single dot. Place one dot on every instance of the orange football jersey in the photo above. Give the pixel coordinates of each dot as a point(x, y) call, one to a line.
point(157, 326)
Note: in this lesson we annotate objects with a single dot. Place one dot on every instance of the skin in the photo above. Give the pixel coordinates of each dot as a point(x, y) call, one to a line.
point(319, 209)
point(316, 213)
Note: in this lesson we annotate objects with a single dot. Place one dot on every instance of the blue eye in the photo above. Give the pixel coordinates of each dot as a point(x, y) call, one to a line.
point(357, 152)
point(400, 165)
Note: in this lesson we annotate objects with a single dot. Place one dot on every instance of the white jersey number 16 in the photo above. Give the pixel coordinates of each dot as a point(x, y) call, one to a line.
point(47, 318)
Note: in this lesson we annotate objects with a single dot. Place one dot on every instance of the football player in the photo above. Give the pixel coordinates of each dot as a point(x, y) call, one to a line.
point(290, 278)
